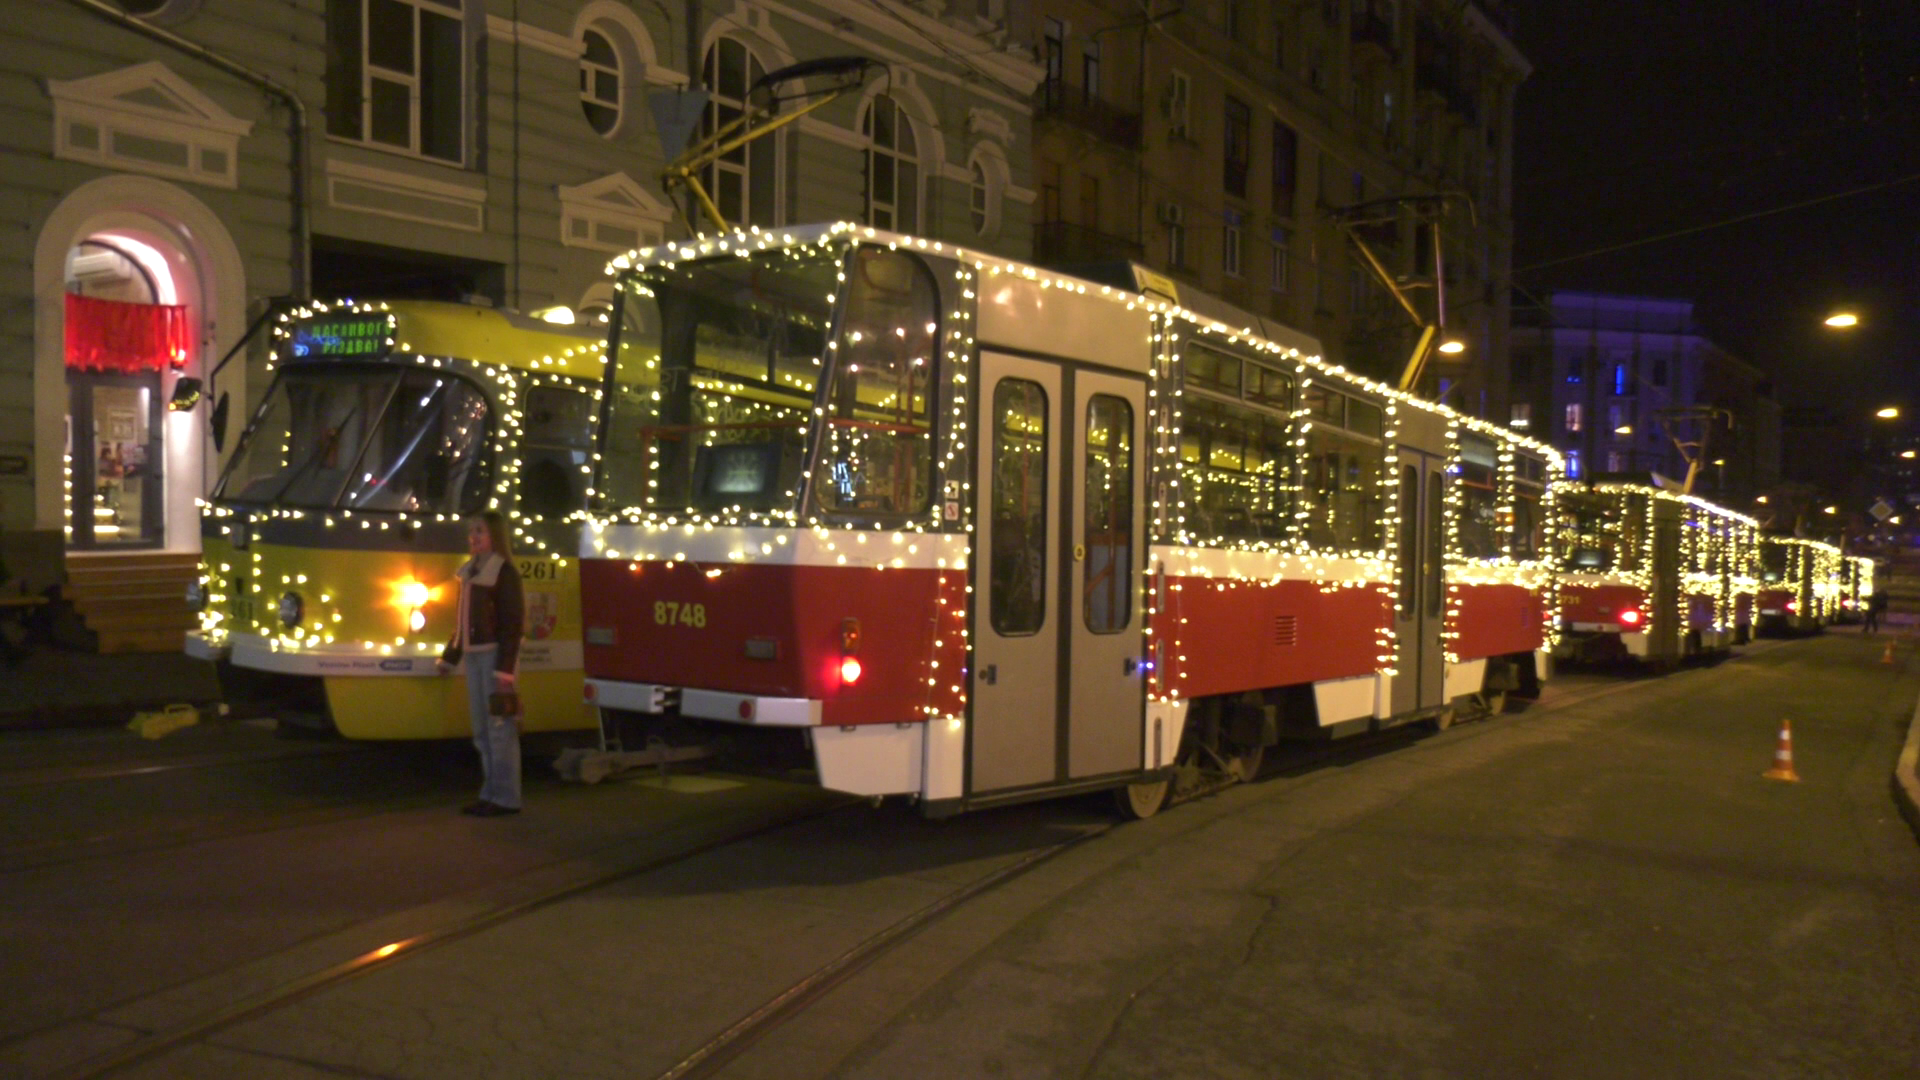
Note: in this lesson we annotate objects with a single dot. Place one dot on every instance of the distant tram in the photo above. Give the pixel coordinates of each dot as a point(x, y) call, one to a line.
point(973, 532)
point(330, 543)
point(1803, 583)
point(1652, 575)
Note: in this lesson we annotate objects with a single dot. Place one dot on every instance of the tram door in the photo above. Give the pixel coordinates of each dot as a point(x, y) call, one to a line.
point(1420, 601)
point(1057, 619)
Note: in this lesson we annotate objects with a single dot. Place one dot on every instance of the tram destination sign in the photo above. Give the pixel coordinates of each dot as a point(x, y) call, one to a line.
point(346, 335)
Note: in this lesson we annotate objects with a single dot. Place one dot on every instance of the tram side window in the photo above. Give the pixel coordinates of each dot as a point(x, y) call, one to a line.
point(877, 454)
point(1343, 489)
point(1107, 606)
point(1240, 465)
point(1479, 499)
point(1529, 528)
point(1018, 561)
point(556, 436)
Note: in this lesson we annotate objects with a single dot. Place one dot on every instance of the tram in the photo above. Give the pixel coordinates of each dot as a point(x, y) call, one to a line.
point(972, 532)
point(1857, 589)
point(330, 543)
point(1803, 582)
point(1653, 575)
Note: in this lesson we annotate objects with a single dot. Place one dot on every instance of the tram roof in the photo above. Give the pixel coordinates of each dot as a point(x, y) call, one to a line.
point(1125, 278)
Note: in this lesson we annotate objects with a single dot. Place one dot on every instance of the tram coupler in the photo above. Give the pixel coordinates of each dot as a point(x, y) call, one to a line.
point(590, 766)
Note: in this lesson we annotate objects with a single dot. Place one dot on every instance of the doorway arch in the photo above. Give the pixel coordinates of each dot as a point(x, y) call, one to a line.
point(175, 237)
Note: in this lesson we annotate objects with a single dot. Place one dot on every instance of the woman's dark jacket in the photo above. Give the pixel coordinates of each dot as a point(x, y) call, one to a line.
point(495, 611)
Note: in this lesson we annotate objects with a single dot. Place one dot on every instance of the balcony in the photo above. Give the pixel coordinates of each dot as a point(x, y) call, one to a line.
point(1090, 113)
point(1058, 243)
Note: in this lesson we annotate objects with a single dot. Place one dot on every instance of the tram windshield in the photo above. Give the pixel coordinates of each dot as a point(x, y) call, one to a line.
point(364, 437)
point(1773, 562)
point(1600, 532)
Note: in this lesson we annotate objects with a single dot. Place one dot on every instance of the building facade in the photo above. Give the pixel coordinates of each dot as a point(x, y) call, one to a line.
point(1225, 142)
point(178, 166)
point(1618, 382)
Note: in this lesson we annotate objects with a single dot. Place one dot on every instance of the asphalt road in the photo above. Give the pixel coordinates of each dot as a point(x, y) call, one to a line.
point(1602, 887)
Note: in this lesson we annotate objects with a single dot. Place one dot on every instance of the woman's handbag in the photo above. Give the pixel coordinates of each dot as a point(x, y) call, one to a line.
point(503, 703)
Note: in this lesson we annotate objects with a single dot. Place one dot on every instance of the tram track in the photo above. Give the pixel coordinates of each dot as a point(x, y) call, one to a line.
point(781, 1008)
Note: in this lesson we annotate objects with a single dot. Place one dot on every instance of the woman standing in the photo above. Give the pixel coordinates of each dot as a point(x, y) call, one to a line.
point(492, 619)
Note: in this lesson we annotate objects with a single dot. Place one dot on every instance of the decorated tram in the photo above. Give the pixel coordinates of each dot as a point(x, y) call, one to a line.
point(973, 532)
point(1802, 584)
point(330, 543)
point(1650, 574)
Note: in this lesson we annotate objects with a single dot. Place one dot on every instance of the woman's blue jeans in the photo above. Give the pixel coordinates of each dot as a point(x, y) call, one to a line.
point(496, 737)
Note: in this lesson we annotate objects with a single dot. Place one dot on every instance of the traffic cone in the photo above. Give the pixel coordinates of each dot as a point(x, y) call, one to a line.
point(1783, 757)
point(1887, 656)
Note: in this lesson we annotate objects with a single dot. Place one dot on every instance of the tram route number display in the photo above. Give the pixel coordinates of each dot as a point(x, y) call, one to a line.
point(669, 613)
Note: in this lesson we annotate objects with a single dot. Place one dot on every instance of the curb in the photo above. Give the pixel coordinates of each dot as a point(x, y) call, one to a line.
point(1906, 784)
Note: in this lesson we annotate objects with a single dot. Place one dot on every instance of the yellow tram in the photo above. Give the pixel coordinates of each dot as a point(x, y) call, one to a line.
point(330, 543)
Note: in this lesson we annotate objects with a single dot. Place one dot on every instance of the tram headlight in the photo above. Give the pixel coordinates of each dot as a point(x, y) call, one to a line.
point(197, 595)
point(291, 609)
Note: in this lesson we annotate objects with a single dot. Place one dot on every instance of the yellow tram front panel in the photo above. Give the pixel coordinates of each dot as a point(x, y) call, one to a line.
point(372, 623)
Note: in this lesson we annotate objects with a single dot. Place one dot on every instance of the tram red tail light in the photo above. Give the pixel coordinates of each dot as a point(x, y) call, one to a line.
point(1629, 617)
point(1793, 606)
point(850, 668)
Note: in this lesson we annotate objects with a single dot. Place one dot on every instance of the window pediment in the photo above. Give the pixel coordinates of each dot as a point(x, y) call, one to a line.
point(147, 119)
point(613, 213)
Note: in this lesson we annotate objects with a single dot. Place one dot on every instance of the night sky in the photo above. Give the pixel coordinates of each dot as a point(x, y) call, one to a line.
point(1644, 117)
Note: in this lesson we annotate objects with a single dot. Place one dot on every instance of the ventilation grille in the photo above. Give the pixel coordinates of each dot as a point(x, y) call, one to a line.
point(1286, 630)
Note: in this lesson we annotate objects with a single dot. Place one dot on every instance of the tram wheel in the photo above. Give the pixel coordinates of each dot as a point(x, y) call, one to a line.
point(1441, 720)
point(1137, 801)
point(1495, 702)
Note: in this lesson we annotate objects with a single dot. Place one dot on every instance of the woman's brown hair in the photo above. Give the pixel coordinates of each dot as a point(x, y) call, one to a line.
point(496, 524)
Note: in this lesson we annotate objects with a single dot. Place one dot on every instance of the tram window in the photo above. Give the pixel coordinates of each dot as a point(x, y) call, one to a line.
point(1240, 467)
point(1773, 562)
point(1273, 389)
point(1363, 418)
point(1210, 370)
point(1409, 546)
point(1528, 535)
point(556, 434)
point(1324, 406)
point(1479, 499)
point(1600, 532)
point(715, 352)
point(1107, 605)
point(558, 416)
point(1018, 561)
point(428, 454)
point(1343, 491)
point(877, 455)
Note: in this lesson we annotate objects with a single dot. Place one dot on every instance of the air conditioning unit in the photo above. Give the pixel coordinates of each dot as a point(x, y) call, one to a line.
point(99, 268)
point(1172, 213)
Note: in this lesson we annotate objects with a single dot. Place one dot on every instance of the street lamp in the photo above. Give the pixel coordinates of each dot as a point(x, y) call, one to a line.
point(1890, 412)
point(1452, 346)
point(1761, 499)
point(1843, 320)
point(1623, 429)
point(1908, 454)
point(1830, 510)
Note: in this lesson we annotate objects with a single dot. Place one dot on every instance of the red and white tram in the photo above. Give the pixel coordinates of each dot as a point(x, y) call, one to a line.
point(976, 532)
point(1651, 574)
point(1803, 584)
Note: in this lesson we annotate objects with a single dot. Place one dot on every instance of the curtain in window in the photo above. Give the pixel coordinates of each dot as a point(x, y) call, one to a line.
point(108, 335)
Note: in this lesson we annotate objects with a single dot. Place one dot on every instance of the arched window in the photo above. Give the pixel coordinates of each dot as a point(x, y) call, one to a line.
point(599, 81)
point(986, 187)
point(743, 183)
point(893, 167)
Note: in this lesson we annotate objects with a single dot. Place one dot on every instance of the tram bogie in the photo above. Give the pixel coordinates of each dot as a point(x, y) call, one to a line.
point(983, 533)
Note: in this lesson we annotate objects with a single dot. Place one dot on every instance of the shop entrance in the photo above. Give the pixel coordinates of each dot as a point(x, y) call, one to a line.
point(117, 460)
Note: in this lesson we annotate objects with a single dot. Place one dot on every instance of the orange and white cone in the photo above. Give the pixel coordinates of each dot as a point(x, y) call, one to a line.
point(1783, 757)
point(1887, 657)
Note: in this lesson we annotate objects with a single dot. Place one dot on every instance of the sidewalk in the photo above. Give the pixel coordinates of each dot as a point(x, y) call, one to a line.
point(53, 688)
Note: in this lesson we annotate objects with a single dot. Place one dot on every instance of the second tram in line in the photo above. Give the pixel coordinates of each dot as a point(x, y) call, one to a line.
point(330, 543)
point(973, 532)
